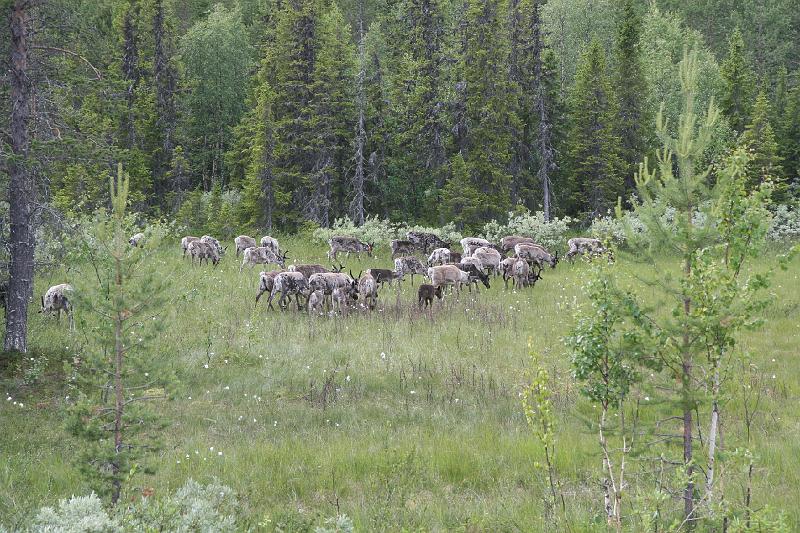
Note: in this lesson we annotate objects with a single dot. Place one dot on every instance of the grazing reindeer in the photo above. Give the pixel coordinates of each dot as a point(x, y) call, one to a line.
point(401, 247)
point(368, 288)
point(475, 275)
point(243, 242)
point(271, 242)
point(440, 256)
point(348, 245)
point(203, 250)
point(266, 281)
point(185, 243)
point(536, 254)
point(521, 272)
point(409, 265)
point(384, 275)
point(471, 261)
point(215, 243)
point(490, 259)
point(262, 256)
point(56, 299)
point(287, 284)
point(426, 241)
point(508, 243)
point(315, 302)
point(455, 258)
point(585, 245)
point(447, 275)
point(308, 270)
point(327, 282)
point(426, 293)
point(137, 240)
point(507, 269)
point(470, 244)
point(341, 298)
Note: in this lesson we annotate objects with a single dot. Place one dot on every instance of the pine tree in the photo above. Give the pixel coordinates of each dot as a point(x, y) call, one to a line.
point(593, 145)
point(488, 109)
point(631, 87)
point(739, 82)
point(759, 140)
point(461, 201)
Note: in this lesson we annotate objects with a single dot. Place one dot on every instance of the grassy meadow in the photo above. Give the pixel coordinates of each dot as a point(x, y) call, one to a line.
point(399, 418)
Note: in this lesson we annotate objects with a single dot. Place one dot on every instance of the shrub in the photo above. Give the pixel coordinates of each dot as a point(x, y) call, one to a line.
point(338, 524)
point(548, 234)
point(79, 514)
point(194, 507)
point(611, 228)
point(785, 224)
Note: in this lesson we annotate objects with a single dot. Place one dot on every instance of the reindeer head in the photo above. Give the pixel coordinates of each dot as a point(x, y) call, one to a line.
point(282, 259)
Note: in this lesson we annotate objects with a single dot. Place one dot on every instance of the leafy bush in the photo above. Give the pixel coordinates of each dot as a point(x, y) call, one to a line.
point(79, 514)
point(373, 230)
point(611, 228)
point(785, 224)
point(194, 507)
point(548, 234)
point(338, 524)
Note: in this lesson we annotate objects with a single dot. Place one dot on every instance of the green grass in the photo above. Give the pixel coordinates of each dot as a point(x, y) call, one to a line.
point(424, 430)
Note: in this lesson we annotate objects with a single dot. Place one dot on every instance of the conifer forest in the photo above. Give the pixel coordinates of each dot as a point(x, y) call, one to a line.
point(400, 265)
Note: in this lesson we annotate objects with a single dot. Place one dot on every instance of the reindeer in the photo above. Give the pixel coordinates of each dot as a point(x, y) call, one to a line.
point(341, 298)
point(215, 243)
point(440, 256)
point(56, 299)
point(315, 302)
point(368, 288)
point(243, 242)
point(262, 256)
point(348, 245)
point(409, 265)
point(475, 274)
point(536, 254)
point(185, 243)
point(586, 245)
point(271, 242)
point(327, 282)
point(287, 284)
point(507, 269)
point(426, 241)
point(490, 259)
point(401, 247)
point(137, 240)
point(266, 281)
point(455, 257)
point(308, 270)
point(447, 275)
point(508, 243)
point(203, 250)
point(426, 293)
point(470, 244)
point(521, 272)
point(384, 275)
point(471, 261)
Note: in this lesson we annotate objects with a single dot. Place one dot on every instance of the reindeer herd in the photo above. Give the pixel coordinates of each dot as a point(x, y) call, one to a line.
point(316, 288)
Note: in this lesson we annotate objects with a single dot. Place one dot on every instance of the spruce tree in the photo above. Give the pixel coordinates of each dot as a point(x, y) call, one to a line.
point(332, 121)
point(488, 109)
point(593, 145)
point(631, 88)
point(759, 139)
point(739, 83)
point(789, 139)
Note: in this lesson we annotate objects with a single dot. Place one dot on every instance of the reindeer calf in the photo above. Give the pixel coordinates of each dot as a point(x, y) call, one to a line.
point(426, 293)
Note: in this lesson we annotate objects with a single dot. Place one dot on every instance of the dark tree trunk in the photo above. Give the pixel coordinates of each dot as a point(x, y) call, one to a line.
point(544, 140)
point(165, 82)
point(130, 72)
point(357, 203)
point(22, 190)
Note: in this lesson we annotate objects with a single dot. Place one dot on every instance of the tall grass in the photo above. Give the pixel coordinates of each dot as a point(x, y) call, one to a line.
point(399, 418)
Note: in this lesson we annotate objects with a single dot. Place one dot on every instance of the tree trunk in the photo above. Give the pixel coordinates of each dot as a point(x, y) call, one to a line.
point(130, 72)
point(544, 139)
point(22, 189)
point(357, 203)
point(165, 82)
point(119, 350)
point(686, 391)
point(712, 432)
